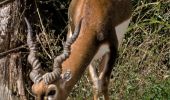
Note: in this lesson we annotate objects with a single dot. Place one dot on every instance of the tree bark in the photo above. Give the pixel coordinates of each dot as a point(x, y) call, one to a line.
point(11, 79)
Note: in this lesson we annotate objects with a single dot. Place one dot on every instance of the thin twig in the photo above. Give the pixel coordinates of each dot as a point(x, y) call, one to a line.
point(12, 50)
point(28, 90)
point(43, 47)
point(44, 32)
point(5, 1)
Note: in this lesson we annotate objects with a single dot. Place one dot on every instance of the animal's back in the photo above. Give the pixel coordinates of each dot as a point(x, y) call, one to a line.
point(101, 17)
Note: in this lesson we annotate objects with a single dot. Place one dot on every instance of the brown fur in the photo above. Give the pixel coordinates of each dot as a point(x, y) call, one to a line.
point(39, 90)
point(98, 27)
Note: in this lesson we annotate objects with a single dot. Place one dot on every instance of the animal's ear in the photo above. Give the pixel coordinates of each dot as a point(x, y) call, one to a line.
point(66, 76)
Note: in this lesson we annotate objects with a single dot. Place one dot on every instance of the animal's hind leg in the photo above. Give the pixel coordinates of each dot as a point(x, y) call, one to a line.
point(95, 81)
point(101, 81)
point(99, 86)
point(105, 70)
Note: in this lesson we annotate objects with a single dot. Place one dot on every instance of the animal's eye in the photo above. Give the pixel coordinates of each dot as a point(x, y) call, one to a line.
point(52, 93)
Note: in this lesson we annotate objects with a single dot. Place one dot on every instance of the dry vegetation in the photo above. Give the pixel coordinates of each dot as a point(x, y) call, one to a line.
point(142, 70)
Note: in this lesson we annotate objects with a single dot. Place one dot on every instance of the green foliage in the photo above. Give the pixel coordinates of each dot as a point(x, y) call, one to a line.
point(142, 69)
point(159, 91)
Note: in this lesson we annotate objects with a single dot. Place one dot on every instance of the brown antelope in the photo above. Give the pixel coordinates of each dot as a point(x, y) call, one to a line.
point(96, 28)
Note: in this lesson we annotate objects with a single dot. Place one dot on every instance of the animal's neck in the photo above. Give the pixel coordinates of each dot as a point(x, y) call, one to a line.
point(86, 45)
point(82, 53)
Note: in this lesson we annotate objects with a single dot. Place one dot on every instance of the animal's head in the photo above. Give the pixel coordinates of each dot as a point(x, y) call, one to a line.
point(43, 91)
point(47, 85)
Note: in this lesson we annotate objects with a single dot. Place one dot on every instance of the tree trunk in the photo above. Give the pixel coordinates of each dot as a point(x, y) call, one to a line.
point(11, 79)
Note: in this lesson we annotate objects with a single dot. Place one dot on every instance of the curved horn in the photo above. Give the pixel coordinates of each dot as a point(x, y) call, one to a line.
point(37, 72)
point(55, 74)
